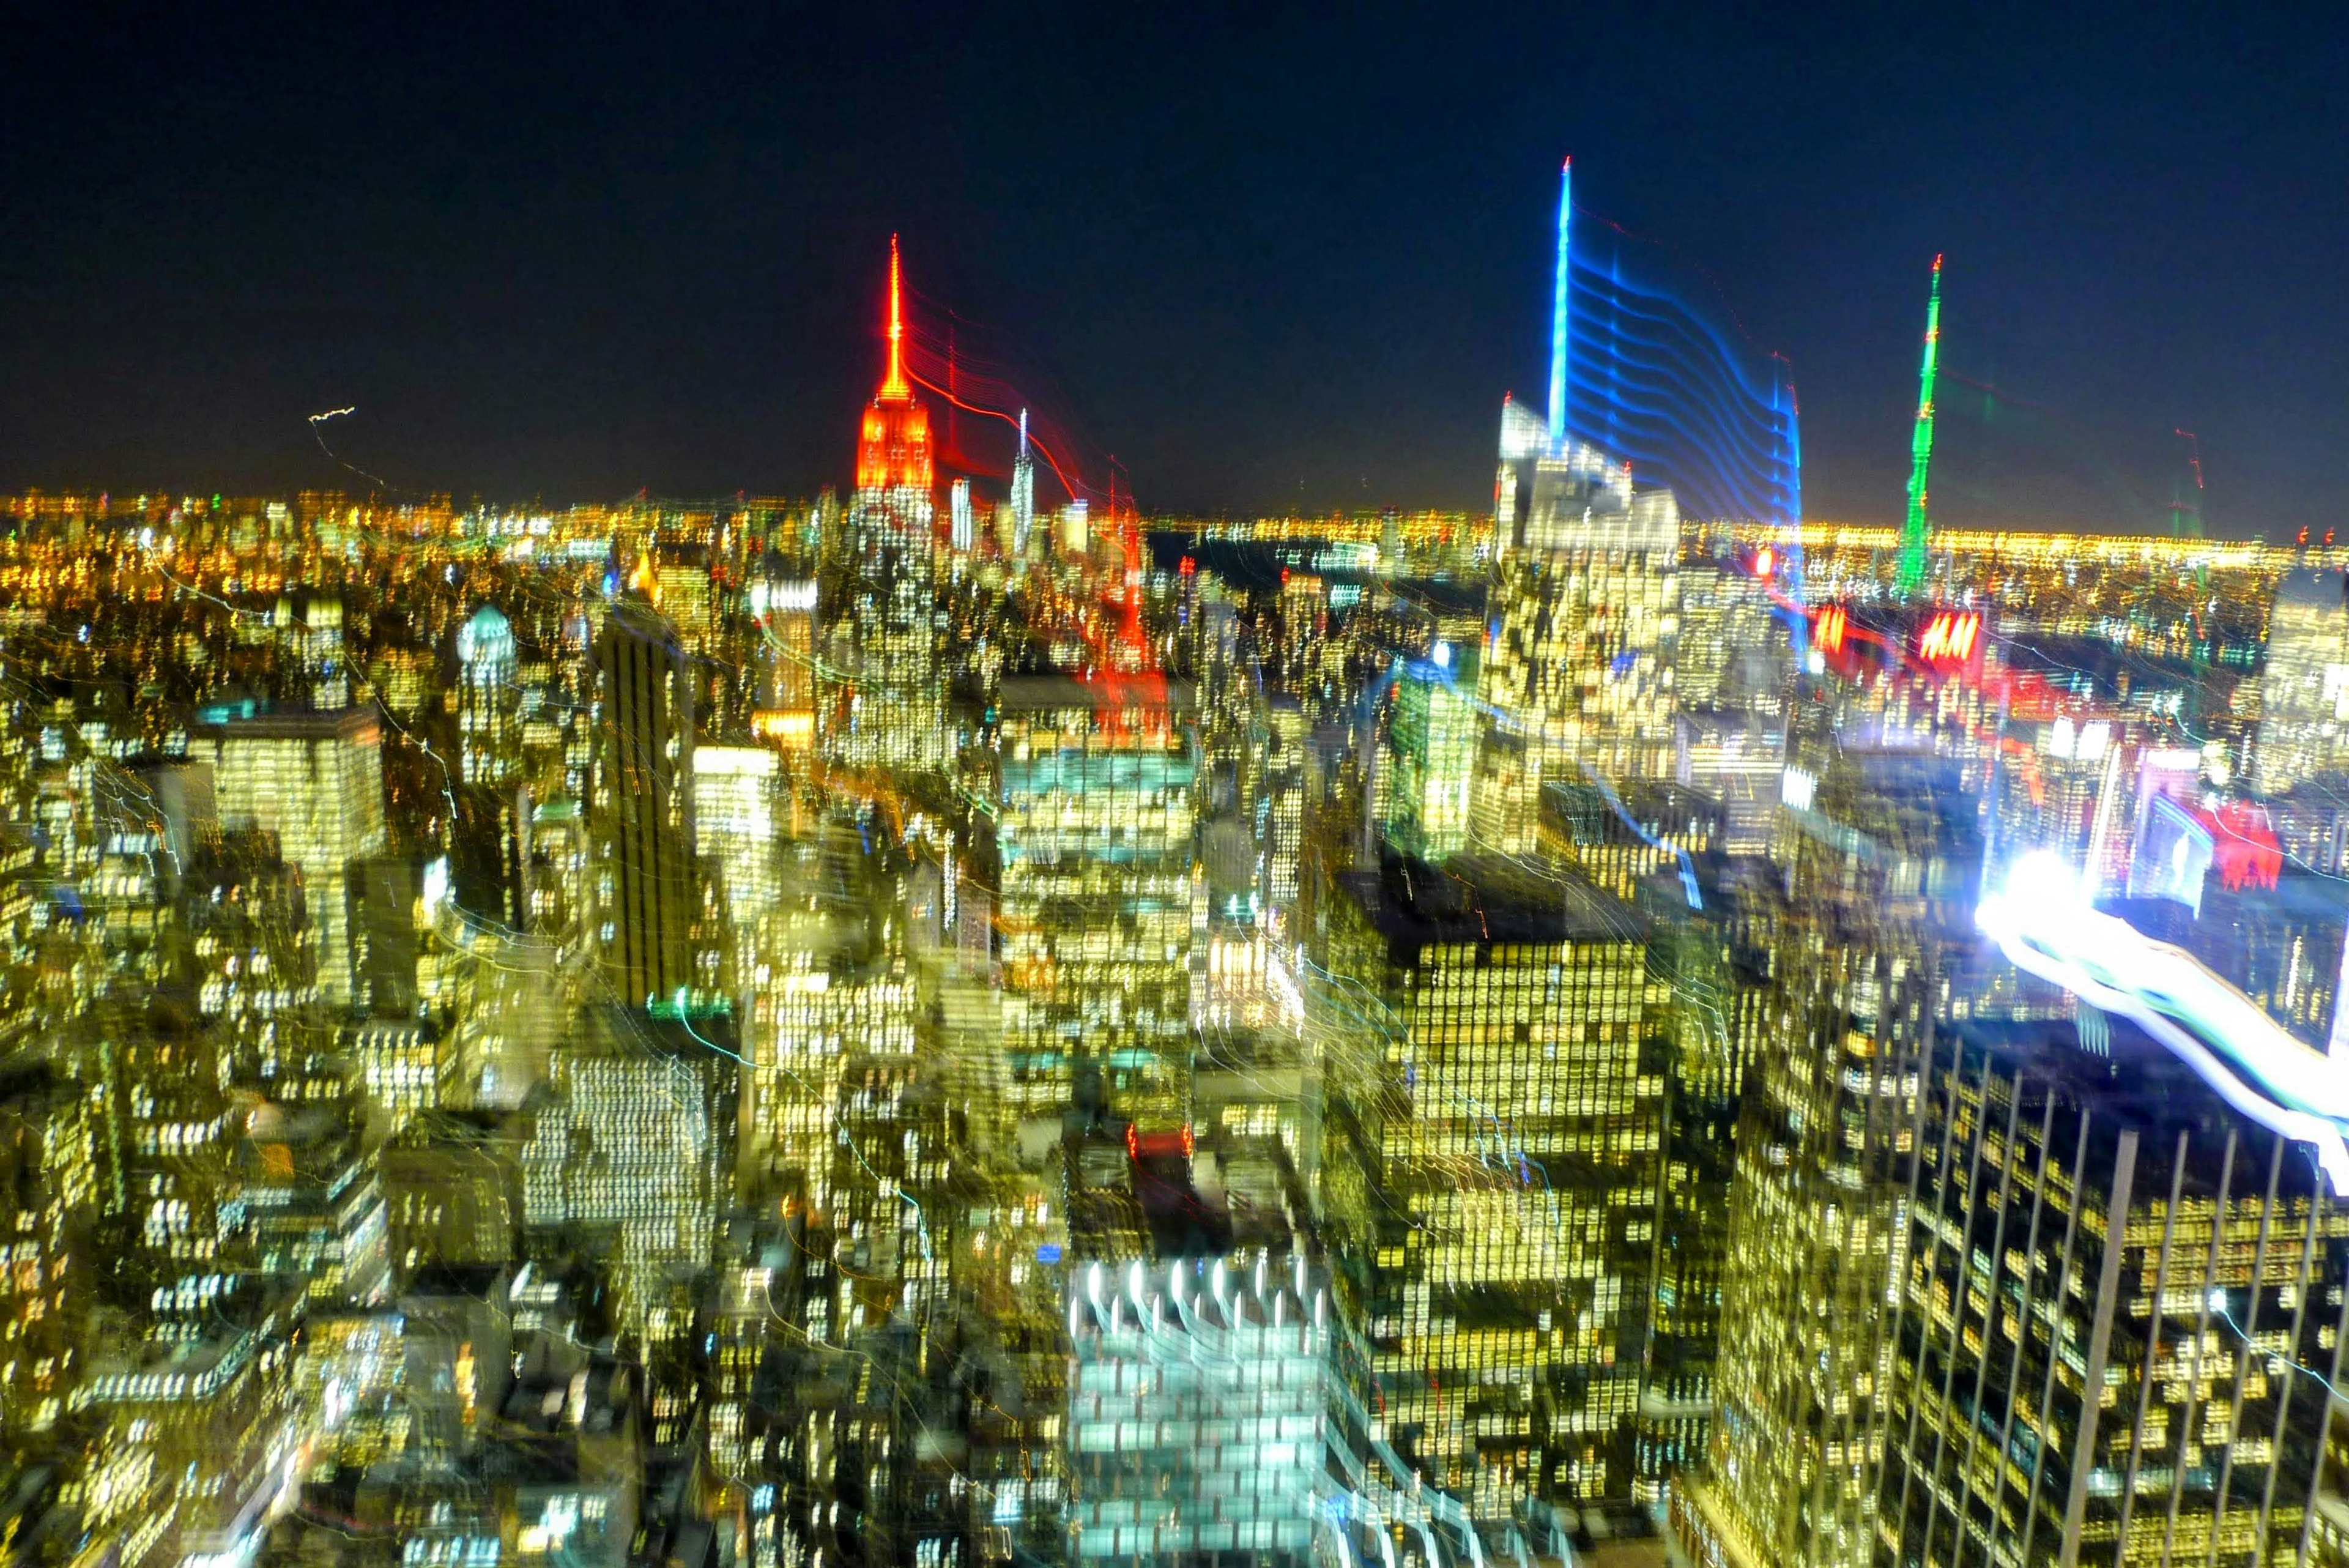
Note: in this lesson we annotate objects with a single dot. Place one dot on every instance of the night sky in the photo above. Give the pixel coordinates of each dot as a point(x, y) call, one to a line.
point(1266, 260)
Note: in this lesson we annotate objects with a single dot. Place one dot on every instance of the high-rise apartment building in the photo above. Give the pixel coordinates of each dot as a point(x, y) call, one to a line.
point(2305, 687)
point(315, 780)
point(647, 885)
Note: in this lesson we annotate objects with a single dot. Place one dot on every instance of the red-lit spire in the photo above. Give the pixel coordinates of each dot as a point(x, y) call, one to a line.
point(893, 447)
point(894, 388)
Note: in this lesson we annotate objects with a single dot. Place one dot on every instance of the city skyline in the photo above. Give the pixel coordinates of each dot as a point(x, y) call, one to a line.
point(507, 309)
point(954, 1015)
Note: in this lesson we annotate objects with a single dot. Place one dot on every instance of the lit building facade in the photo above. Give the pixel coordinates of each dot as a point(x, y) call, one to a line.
point(488, 700)
point(647, 886)
point(315, 780)
point(896, 709)
point(1096, 828)
point(2304, 691)
point(1494, 1121)
point(1585, 630)
point(1881, 867)
point(1199, 1408)
point(1431, 762)
point(2117, 1311)
point(736, 793)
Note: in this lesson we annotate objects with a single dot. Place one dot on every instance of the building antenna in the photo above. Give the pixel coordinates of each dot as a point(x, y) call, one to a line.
point(1558, 310)
point(2185, 506)
point(1915, 531)
point(893, 386)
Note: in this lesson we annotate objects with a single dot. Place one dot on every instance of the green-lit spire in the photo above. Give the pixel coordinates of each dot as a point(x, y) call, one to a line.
point(1914, 529)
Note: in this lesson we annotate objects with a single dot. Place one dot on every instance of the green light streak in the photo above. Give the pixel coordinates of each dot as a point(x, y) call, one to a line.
point(1915, 531)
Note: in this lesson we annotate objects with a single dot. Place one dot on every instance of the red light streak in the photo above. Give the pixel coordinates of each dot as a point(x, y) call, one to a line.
point(1049, 461)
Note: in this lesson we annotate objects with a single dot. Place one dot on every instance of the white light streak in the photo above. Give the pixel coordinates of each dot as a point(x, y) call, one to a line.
point(2047, 928)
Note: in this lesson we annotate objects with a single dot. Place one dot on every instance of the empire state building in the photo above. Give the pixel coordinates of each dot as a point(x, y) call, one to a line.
point(897, 716)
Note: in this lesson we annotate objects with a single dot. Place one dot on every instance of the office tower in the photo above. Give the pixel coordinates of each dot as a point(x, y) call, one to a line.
point(1495, 1112)
point(456, 1338)
point(1431, 754)
point(962, 532)
point(488, 700)
point(1023, 495)
point(1740, 762)
point(647, 887)
point(1585, 630)
point(635, 1146)
point(315, 781)
point(317, 1206)
point(1881, 869)
point(1733, 654)
point(2304, 691)
point(783, 607)
point(683, 589)
point(2099, 1219)
point(897, 711)
point(453, 1190)
point(198, 1428)
point(559, 891)
point(737, 790)
point(48, 1172)
point(252, 953)
point(309, 627)
point(387, 893)
point(1621, 839)
point(1199, 1400)
point(1278, 803)
point(1095, 828)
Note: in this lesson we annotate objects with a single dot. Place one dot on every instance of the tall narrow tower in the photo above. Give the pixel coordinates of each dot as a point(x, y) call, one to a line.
point(1023, 493)
point(895, 711)
point(1914, 529)
point(1559, 292)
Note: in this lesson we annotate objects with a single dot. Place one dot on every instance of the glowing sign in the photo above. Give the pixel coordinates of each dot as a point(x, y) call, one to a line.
point(1765, 561)
point(2045, 927)
point(2173, 855)
point(1828, 628)
point(1949, 637)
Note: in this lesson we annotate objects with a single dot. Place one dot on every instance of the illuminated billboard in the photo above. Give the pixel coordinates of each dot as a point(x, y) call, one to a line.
point(2174, 850)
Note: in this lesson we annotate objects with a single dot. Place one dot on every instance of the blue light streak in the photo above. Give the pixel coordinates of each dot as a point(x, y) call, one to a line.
point(1559, 316)
point(1644, 367)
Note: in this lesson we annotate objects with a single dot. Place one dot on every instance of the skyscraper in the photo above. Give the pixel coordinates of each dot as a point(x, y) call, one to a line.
point(2304, 689)
point(2097, 1220)
point(896, 709)
point(1880, 868)
point(1585, 628)
point(488, 700)
point(1095, 826)
point(315, 779)
point(647, 885)
point(1493, 1118)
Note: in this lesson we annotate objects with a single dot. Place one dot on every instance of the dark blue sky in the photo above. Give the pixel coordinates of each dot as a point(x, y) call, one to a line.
point(1261, 257)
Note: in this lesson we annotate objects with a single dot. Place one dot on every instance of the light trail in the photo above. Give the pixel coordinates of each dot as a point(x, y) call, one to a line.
point(2047, 928)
